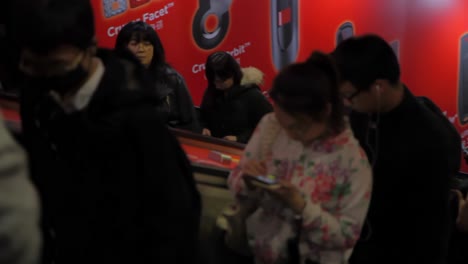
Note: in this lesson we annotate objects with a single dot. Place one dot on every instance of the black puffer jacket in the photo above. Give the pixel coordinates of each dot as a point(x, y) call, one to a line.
point(237, 112)
point(116, 187)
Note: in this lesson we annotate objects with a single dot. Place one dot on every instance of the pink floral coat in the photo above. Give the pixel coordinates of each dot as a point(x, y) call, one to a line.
point(333, 176)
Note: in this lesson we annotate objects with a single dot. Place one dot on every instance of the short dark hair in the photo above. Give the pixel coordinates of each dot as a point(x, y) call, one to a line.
point(48, 24)
point(140, 31)
point(363, 60)
point(308, 87)
point(223, 65)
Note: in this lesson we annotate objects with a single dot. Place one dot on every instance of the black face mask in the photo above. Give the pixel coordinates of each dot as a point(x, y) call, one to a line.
point(347, 110)
point(61, 84)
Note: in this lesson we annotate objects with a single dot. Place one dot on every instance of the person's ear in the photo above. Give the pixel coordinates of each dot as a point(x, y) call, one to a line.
point(379, 86)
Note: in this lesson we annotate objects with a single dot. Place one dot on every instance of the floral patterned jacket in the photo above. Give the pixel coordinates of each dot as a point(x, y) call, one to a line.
point(333, 175)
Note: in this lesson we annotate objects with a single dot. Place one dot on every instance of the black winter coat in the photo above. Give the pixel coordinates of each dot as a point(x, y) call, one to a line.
point(174, 102)
point(408, 217)
point(116, 187)
point(235, 113)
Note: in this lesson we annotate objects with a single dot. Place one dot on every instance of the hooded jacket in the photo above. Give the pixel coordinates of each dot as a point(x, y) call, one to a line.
point(116, 187)
point(237, 111)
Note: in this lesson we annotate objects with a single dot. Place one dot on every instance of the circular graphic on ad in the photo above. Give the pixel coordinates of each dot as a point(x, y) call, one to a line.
point(205, 36)
point(463, 81)
point(284, 32)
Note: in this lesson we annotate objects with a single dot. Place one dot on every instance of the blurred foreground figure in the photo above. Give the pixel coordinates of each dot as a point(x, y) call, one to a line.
point(19, 214)
point(116, 186)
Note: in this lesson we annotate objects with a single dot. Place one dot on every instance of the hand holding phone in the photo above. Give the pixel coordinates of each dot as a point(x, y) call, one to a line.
point(253, 168)
point(266, 182)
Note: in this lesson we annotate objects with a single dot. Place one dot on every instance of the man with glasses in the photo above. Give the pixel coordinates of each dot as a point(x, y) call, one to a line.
point(116, 187)
point(404, 140)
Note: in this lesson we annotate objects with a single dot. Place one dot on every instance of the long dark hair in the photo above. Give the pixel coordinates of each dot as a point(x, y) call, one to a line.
point(224, 66)
point(308, 88)
point(140, 31)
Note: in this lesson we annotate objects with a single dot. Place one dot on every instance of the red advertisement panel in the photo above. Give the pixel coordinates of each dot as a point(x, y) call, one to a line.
point(191, 30)
point(430, 37)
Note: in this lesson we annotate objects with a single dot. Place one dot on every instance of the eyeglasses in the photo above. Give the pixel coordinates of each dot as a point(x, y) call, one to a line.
point(353, 95)
point(43, 66)
point(299, 127)
point(142, 44)
point(218, 79)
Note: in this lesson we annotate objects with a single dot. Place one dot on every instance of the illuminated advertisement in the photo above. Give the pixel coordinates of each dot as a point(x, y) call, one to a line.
point(345, 31)
point(429, 37)
point(206, 35)
point(463, 81)
point(284, 32)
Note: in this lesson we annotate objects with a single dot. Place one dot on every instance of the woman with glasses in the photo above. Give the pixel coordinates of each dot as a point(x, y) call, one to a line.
point(303, 174)
point(174, 102)
point(233, 103)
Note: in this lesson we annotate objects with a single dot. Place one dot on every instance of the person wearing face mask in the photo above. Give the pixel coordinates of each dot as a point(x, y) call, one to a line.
point(323, 178)
point(174, 102)
point(233, 103)
point(115, 185)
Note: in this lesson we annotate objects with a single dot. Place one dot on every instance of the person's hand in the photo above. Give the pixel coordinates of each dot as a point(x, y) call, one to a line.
point(253, 168)
point(231, 138)
point(462, 219)
point(206, 132)
point(290, 195)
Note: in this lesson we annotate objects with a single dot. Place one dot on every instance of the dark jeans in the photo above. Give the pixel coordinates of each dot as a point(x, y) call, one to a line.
point(222, 254)
point(218, 252)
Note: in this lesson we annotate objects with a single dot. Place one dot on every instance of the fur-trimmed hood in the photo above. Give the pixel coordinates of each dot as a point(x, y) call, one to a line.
point(252, 78)
point(252, 75)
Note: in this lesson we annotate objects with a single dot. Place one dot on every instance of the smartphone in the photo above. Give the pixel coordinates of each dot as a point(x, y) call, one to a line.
point(284, 32)
point(345, 31)
point(268, 182)
point(396, 48)
point(463, 81)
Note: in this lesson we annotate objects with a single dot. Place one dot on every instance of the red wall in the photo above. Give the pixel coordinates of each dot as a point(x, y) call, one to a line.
point(248, 31)
point(429, 32)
